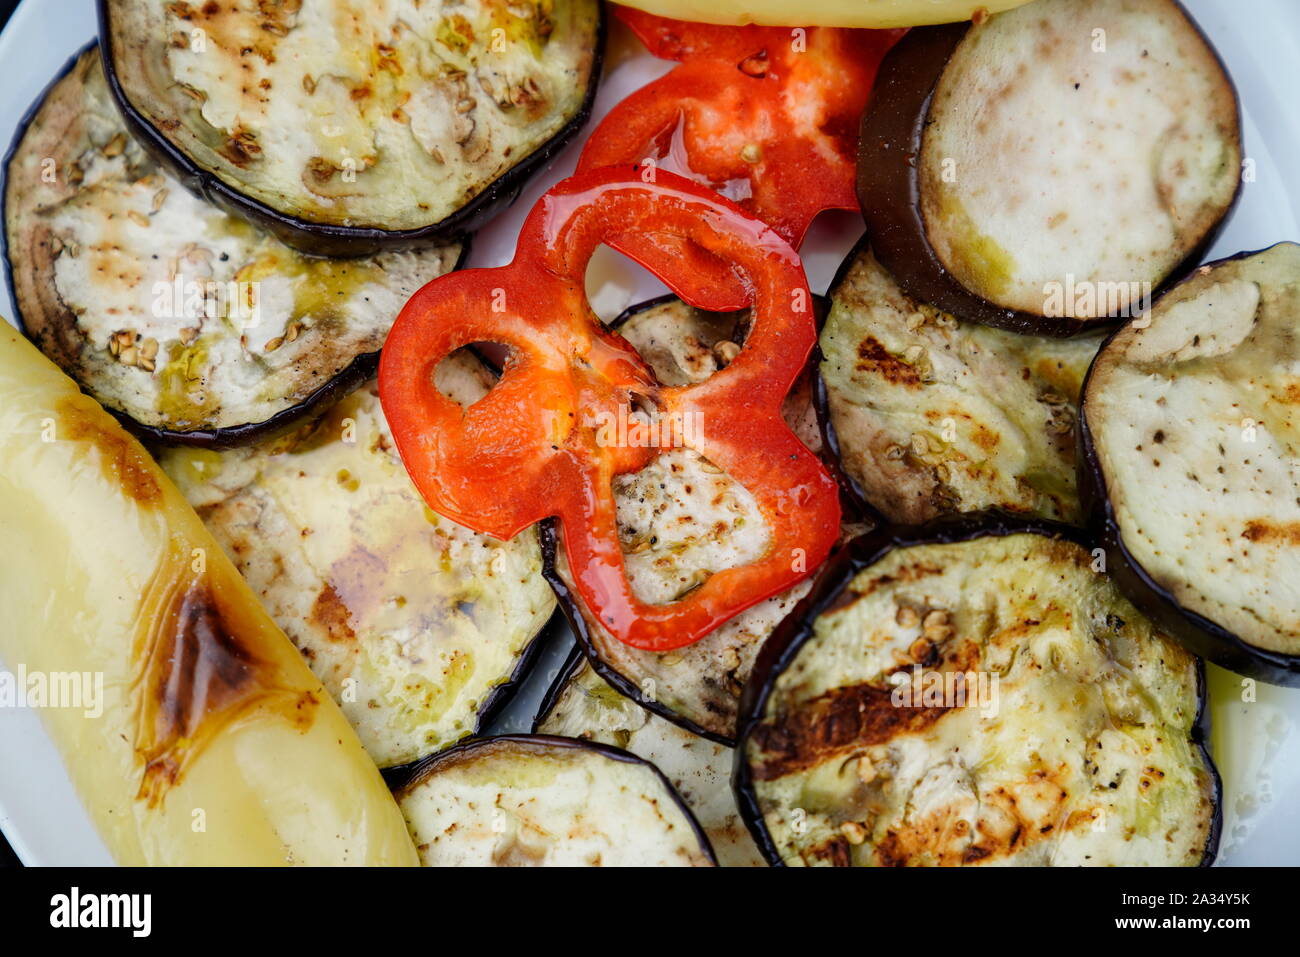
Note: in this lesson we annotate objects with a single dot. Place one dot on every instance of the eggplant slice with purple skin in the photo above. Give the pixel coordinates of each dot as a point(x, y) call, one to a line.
point(581, 704)
point(187, 323)
point(346, 129)
point(542, 800)
point(974, 692)
point(680, 519)
point(419, 628)
point(928, 415)
point(1002, 184)
point(1191, 461)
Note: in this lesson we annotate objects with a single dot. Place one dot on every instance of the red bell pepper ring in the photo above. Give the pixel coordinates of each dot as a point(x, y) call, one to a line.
point(533, 446)
point(767, 116)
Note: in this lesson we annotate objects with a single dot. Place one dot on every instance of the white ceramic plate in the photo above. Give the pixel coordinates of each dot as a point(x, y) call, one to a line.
point(1256, 743)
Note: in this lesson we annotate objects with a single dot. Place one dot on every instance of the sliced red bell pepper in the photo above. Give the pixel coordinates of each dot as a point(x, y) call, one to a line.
point(767, 116)
point(534, 446)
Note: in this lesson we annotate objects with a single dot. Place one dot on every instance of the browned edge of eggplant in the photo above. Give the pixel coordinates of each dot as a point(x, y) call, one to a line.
point(852, 495)
point(548, 536)
point(325, 239)
point(415, 773)
point(1197, 633)
point(889, 189)
point(361, 368)
point(20, 131)
point(779, 651)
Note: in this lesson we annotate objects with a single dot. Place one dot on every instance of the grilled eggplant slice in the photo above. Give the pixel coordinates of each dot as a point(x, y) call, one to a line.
point(181, 319)
point(1079, 230)
point(528, 800)
point(1073, 736)
point(581, 704)
point(680, 519)
point(929, 415)
point(417, 627)
point(344, 127)
point(1191, 461)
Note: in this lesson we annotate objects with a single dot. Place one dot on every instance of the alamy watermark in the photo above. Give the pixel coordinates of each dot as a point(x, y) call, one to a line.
point(945, 689)
point(83, 690)
point(1087, 299)
point(133, 912)
point(626, 429)
point(194, 299)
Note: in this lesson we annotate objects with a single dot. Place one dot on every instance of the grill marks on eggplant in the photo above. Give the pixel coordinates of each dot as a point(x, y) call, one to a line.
point(856, 749)
point(344, 113)
point(932, 415)
point(539, 800)
point(417, 627)
point(583, 705)
point(680, 520)
point(168, 311)
point(992, 175)
point(1193, 426)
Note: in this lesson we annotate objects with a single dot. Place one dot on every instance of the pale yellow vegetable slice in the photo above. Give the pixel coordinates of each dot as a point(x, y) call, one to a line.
point(214, 743)
point(824, 13)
